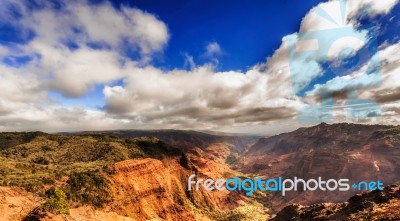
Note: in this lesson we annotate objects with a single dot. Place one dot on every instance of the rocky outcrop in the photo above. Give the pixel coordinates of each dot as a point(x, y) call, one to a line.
point(146, 189)
point(16, 203)
point(114, 177)
point(374, 205)
point(355, 152)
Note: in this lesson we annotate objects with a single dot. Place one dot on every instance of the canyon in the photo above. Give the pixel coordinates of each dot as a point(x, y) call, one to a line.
point(142, 175)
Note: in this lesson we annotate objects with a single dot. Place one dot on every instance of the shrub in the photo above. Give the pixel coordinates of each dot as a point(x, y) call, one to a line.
point(57, 203)
point(41, 160)
point(46, 180)
point(47, 148)
point(89, 187)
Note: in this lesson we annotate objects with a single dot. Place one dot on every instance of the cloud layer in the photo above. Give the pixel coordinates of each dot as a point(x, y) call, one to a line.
point(73, 48)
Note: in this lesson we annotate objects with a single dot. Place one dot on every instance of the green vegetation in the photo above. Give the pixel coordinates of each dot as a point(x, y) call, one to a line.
point(387, 132)
point(232, 158)
point(257, 208)
point(70, 170)
point(89, 187)
point(37, 161)
point(57, 203)
point(41, 160)
point(248, 212)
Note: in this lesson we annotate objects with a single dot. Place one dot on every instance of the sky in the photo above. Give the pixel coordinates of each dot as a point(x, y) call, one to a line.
point(260, 67)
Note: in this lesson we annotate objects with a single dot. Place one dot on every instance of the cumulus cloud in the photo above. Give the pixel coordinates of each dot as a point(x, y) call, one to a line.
point(389, 89)
point(370, 7)
point(200, 94)
point(136, 27)
point(381, 85)
point(76, 48)
point(326, 34)
point(74, 73)
point(82, 23)
point(212, 52)
point(73, 50)
point(56, 119)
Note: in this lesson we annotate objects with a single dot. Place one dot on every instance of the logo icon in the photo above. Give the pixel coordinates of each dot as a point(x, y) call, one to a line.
point(344, 55)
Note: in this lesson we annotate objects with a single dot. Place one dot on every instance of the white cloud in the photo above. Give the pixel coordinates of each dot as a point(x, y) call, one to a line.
point(19, 86)
point(324, 24)
point(24, 102)
point(329, 24)
point(83, 23)
point(57, 119)
point(385, 79)
point(3, 51)
point(382, 87)
point(389, 90)
point(74, 73)
point(326, 32)
point(213, 49)
point(200, 95)
point(212, 53)
point(200, 98)
point(103, 23)
point(204, 98)
point(371, 7)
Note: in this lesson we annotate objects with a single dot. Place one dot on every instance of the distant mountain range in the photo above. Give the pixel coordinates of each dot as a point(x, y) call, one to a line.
point(356, 152)
point(184, 138)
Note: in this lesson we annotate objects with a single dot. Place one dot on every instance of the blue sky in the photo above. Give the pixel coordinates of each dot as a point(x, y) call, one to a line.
point(212, 65)
point(247, 33)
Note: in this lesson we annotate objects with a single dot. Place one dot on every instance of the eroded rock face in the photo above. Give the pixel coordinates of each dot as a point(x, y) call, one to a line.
point(156, 189)
point(16, 203)
point(149, 189)
point(373, 205)
point(146, 189)
point(354, 152)
point(87, 213)
point(146, 179)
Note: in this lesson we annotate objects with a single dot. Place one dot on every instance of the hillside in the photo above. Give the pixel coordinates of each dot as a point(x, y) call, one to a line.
point(108, 177)
point(356, 152)
point(183, 139)
point(125, 175)
point(373, 206)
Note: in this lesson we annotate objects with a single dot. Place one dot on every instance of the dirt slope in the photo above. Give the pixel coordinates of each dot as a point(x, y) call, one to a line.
point(376, 205)
point(16, 203)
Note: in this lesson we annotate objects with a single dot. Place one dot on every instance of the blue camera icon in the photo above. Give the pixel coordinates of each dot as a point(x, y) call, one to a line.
point(335, 52)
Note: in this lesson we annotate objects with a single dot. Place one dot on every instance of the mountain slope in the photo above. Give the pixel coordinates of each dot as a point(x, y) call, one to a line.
point(183, 139)
point(374, 205)
point(356, 152)
point(103, 176)
point(119, 176)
